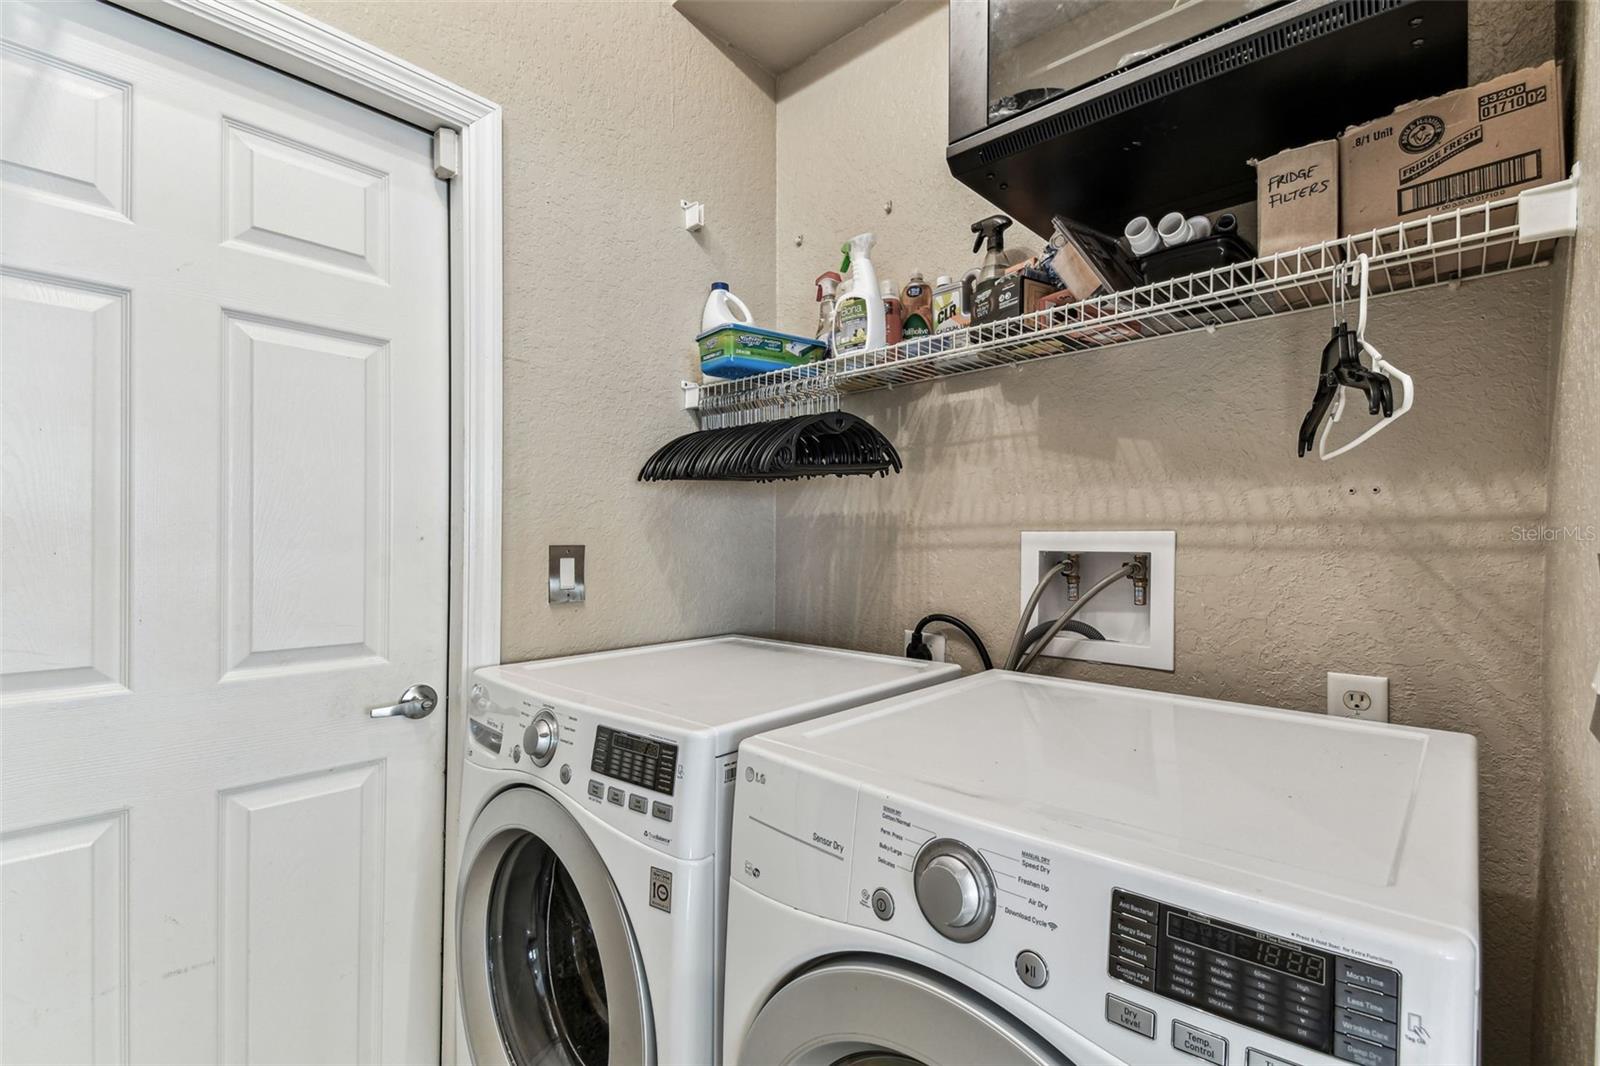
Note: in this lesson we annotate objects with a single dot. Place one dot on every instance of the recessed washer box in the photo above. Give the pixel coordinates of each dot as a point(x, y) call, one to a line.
point(1135, 635)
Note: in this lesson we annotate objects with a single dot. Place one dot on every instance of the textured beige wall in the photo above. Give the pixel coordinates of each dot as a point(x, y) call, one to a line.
point(1569, 912)
point(613, 113)
point(1398, 560)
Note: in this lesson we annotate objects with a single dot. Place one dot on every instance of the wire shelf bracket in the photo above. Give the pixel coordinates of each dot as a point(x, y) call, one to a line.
point(1497, 237)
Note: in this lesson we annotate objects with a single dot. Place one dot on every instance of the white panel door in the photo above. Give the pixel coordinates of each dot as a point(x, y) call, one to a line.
point(224, 377)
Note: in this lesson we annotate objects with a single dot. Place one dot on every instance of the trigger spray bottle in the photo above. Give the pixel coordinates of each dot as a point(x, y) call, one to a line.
point(859, 315)
point(827, 298)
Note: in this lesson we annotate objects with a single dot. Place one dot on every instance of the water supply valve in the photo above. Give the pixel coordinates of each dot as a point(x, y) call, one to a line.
point(1140, 576)
point(1071, 573)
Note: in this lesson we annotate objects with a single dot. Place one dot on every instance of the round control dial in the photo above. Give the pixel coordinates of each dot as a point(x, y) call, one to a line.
point(954, 889)
point(539, 740)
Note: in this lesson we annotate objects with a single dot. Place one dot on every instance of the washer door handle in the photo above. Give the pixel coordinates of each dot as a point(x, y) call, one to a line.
point(418, 701)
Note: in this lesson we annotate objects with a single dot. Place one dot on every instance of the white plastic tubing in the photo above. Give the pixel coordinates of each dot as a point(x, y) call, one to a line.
point(1172, 230)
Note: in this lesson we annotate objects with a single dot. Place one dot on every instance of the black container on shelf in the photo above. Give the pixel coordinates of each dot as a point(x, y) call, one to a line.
point(1194, 257)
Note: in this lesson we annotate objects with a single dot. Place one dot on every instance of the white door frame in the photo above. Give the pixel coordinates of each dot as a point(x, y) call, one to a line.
point(284, 39)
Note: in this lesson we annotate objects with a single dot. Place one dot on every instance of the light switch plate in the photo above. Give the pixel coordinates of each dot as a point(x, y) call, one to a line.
point(570, 590)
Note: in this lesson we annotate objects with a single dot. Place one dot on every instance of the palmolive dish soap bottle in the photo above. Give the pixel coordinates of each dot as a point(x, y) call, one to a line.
point(858, 317)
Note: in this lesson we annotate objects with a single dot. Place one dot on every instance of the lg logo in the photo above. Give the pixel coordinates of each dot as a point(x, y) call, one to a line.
point(754, 776)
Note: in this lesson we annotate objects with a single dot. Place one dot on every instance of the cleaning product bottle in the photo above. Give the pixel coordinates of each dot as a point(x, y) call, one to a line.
point(827, 296)
point(916, 308)
point(723, 308)
point(946, 304)
point(893, 324)
point(858, 317)
point(990, 231)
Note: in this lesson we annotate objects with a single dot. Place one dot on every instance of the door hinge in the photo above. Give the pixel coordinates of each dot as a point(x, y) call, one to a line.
point(446, 153)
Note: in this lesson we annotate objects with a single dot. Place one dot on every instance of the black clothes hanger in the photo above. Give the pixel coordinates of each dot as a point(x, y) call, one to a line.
point(814, 445)
point(1342, 367)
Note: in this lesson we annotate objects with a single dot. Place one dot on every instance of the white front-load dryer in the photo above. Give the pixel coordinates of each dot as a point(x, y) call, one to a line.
point(596, 806)
point(1012, 869)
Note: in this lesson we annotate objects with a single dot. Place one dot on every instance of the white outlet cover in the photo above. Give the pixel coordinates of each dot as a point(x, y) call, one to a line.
point(1136, 636)
point(1375, 687)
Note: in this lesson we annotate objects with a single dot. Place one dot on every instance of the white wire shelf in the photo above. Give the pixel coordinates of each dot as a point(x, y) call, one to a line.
point(1494, 238)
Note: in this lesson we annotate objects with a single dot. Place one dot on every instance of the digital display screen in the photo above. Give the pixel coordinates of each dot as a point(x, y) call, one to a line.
point(637, 745)
point(635, 759)
point(1306, 965)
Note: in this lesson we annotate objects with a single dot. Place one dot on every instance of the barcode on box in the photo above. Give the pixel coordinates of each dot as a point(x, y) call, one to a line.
point(1466, 184)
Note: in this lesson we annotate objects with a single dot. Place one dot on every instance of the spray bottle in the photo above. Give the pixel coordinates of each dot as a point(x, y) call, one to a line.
point(991, 230)
point(827, 295)
point(858, 319)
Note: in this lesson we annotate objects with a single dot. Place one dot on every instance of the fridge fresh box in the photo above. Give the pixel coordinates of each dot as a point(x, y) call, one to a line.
point(737, 351)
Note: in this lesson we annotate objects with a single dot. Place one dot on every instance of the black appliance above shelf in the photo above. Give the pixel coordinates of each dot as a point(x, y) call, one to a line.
point(1175, 129)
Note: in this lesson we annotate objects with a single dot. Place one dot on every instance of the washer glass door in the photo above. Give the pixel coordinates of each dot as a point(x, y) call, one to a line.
point(550, 974)
point(872, 1011)
point(546, 981)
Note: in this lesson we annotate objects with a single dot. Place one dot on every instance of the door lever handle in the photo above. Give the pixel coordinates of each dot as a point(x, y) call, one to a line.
point(418, 701)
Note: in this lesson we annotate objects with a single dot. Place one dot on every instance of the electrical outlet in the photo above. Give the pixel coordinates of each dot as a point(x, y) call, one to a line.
point(934, 641)
point(1358, 696)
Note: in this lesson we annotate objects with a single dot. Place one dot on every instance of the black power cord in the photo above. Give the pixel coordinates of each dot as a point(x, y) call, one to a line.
point(1083, 629)
point(918, 650)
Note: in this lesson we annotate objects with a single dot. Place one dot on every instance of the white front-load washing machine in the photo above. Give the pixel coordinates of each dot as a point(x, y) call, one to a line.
point(596, 805)
point(1011, 869)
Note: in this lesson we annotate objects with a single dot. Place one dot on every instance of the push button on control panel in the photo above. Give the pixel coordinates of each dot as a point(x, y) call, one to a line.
point(1252, 1057)
point(1199, 1043)
point(1031, 969)
point(597, 790)
point(1362, 1053)
point(661, 810)
point(637, 803)
point(1359, 1025)
point(1374, 978)
point(883, 904)
point(1130, 1016)
point(1373, 1003)
point(615, 795)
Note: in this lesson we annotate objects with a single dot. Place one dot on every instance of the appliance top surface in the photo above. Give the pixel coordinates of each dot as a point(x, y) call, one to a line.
point(721, 682)
point(1276, 793)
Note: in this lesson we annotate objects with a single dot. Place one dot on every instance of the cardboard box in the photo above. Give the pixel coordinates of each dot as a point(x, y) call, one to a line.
point(1297, 198)
point(1465, 148)
point(1007, 296)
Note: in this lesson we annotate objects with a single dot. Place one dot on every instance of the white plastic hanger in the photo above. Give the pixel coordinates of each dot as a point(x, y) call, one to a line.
point(1379, 365)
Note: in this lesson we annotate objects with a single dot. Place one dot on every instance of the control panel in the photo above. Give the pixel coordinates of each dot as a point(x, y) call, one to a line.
point(635, 783)
point(1336, 1005)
